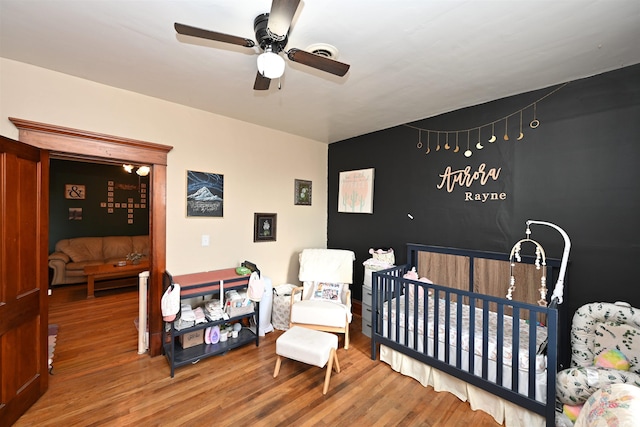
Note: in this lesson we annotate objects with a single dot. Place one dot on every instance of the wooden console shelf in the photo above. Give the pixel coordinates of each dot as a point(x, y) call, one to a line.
point(199, 285)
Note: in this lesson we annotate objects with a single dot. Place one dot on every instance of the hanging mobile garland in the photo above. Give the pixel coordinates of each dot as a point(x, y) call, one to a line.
point(428, 149)
point(468, 153)
point(534, 123)
point(506, 134)
point(521, 135)
point(493, 133)
point(479, 146)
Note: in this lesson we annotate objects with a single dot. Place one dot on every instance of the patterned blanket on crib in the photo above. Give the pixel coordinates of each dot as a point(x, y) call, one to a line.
point(492, 335)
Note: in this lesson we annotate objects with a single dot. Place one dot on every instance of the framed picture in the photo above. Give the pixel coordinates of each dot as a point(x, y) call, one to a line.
point(302, 192)
point(205, 194)
point(264, 227)
point(355, 194)
point(74, 191)
point(75, 214)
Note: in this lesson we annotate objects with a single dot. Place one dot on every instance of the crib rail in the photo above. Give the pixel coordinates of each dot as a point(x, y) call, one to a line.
point(396, 300)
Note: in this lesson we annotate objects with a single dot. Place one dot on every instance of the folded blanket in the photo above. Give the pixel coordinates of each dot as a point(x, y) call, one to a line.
point(326, 265)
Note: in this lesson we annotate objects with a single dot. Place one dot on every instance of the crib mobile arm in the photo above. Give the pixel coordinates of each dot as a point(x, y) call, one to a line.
point(558, 290)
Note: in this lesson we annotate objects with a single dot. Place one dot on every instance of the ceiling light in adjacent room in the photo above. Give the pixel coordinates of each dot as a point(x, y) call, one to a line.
point(128, 168)
point(143, 170)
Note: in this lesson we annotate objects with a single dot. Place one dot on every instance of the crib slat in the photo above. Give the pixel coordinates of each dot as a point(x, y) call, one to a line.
point(532, 353)
point(459, 313)
point(395, 291)
point(485, 339)
point(436, 321)
point(472, 334)
point(500, 344)
point(447, 325)
point(425, 323)
point(552, 357)
point(515, 350)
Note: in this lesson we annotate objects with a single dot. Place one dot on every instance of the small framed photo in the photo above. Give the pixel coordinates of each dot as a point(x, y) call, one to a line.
point(264, 227)
point(75, 214)
point(302, 192)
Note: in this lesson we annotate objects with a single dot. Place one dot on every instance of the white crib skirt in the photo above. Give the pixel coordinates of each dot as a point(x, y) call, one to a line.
point(504, 412)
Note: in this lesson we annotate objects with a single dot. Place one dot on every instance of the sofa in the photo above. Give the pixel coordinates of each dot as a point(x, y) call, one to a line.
point(71, 256)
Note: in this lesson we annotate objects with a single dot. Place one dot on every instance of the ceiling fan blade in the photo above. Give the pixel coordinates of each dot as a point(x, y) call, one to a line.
point(188, 30)
point(262, 83)
point(319, 62)
point(281, 15)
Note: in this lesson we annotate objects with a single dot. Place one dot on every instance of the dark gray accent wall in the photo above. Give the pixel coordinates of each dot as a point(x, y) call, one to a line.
point(102, 213)
point(579, 169)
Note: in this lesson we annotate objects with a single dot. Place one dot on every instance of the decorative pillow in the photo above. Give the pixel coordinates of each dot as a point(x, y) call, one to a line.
point(612, 359)
point(327, 292)
point(575, 385)
point(613, 405)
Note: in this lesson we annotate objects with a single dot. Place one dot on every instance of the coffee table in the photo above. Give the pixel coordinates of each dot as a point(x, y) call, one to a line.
point(111, 271)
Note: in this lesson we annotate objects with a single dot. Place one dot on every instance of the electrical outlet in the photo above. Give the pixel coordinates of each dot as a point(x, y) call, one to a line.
point(205, 240)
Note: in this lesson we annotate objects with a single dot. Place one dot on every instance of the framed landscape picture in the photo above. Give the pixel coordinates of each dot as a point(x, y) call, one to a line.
point(302, 192)
point(264, 227)
point(205, 193)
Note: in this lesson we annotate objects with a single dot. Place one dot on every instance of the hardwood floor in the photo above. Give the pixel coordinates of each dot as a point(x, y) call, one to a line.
point(99, 379)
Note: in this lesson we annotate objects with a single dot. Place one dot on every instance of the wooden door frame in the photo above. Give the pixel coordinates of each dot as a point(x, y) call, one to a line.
point(74, 144)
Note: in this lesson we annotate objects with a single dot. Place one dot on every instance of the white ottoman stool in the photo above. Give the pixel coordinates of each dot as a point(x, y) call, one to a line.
point(308, 346)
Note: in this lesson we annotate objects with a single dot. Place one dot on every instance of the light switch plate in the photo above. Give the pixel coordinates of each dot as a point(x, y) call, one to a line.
point(205, 240)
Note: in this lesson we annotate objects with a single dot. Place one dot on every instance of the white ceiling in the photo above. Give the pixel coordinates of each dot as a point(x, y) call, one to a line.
point(409, 59)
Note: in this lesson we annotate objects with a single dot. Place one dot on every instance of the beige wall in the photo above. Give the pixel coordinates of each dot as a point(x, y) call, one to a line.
point(259, 166)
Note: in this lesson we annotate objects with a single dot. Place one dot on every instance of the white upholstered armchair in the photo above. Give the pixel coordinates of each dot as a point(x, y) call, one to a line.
point(323, 302)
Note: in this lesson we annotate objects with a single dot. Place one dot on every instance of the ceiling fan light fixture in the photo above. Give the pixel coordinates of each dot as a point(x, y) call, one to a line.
point(270, 65)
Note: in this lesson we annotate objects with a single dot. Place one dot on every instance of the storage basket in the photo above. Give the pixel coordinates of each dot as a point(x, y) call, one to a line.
point(384, 255)
point(239, 311)
point(281, 306)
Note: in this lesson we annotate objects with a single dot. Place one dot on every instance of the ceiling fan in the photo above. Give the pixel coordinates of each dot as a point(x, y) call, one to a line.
point(271, 30)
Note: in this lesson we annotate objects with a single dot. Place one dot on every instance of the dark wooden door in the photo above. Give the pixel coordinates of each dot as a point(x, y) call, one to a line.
point(24, 204)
